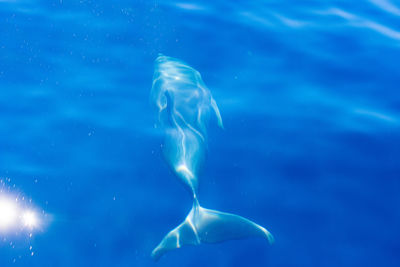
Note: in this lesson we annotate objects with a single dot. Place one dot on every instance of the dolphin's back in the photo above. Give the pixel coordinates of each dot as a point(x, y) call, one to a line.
point(184, 105)
point(190, 99)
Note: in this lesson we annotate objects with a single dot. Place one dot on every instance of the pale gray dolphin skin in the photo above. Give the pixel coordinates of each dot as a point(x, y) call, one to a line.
point(184, 106)
point(209, 226)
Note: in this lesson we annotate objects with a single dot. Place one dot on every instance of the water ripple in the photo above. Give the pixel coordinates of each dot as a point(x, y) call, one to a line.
point(387, 6)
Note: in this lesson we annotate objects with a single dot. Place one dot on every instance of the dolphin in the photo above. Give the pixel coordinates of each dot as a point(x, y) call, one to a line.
point(184, 106)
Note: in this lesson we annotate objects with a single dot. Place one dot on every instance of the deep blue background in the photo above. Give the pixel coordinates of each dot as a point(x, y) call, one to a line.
point(309, 95)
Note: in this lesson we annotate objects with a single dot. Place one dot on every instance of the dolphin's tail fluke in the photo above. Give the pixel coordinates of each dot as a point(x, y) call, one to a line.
point(209, 226)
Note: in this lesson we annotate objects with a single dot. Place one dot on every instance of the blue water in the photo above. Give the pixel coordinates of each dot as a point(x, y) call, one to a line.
point(309, 95)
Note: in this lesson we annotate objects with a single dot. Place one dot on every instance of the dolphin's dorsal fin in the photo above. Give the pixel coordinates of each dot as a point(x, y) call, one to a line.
point(217, 113)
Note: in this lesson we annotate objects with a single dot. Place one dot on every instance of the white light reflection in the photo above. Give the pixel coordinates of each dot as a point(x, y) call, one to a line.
point(8, 213)
point(15, 216)
point(30, 219)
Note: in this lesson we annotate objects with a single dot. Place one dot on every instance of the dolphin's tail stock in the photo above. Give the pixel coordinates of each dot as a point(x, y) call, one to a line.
point(209, 226)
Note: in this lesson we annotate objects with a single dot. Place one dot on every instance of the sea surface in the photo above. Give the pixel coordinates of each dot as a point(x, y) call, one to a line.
point(309, 93)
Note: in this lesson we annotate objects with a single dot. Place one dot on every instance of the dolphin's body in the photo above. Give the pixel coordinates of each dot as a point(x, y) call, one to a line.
point(184, 105)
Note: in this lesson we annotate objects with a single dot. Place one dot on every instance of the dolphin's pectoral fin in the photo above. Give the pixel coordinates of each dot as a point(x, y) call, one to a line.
point(214, 227)
point(217, 113)
point(182, 235)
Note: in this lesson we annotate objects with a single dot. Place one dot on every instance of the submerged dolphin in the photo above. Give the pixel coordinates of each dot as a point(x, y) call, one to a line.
point(184, 106)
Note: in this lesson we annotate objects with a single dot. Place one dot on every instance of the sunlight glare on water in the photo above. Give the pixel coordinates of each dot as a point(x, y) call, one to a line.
point(8, 213)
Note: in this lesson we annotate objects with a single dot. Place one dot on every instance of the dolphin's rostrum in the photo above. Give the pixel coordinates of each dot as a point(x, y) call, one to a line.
point(184, 106)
